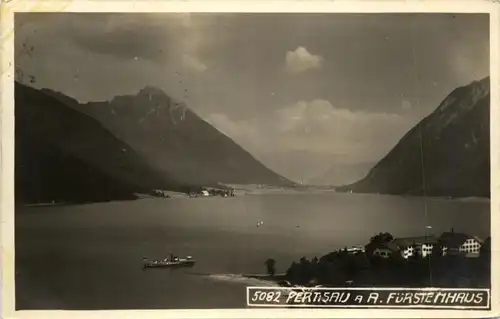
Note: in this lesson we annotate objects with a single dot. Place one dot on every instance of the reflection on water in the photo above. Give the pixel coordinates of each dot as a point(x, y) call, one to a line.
point(90, 256)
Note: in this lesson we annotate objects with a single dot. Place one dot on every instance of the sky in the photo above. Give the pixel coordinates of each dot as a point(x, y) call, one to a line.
point(313, 96)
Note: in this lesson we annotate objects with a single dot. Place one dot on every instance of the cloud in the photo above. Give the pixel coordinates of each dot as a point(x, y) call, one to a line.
point(193, 63)
point(406, 105)
point(158, 38)
point(224, 124)
point(302, 60)
point(317, 126)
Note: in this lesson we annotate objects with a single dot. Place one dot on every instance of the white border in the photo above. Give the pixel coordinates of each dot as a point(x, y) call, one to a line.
point(7, 305)
point(367, 307)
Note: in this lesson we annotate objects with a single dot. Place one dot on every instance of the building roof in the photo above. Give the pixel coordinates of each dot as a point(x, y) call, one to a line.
point(389, 246)
point(409, 241)
point(453, 240)
point(479, 240)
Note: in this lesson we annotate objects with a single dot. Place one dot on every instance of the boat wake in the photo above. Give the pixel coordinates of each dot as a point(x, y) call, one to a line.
point(241, 279)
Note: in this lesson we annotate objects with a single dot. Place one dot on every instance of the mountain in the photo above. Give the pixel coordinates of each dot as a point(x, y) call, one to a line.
point(176, 140)
point(451, 145)
point(66, 156)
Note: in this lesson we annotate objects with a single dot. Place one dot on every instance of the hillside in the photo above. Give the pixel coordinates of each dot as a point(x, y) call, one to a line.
point(45, 174)
point(451, 145)
point(65, 156)
point(176, 140)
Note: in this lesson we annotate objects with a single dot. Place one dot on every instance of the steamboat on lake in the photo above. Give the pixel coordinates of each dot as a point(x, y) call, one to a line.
point(172, 262)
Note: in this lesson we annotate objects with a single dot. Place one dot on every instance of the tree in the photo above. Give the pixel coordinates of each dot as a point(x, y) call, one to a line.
point(437, 251)
point(292, 272)
point(378, 240)
point(270, 264)
point(305, 270)
point(485, 250)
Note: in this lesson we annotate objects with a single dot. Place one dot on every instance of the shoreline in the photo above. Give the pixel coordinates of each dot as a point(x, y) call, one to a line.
point(396, 272)
point(265, 277)
point(449, 198)
point(250, 279)
point(240, 192)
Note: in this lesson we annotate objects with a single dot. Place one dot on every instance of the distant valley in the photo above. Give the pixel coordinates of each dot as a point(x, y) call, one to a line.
point(341, 174)
point(112, 150)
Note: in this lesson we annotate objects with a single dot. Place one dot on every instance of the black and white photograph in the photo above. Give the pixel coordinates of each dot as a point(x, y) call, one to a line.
point(247, 160)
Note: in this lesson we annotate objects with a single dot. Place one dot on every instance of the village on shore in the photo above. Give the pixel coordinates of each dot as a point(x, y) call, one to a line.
point(451, 260)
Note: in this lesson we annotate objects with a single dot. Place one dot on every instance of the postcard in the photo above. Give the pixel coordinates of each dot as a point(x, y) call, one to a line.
point(277, 159)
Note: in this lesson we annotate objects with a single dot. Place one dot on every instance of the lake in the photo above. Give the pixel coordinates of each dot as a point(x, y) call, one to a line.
point(90, 256)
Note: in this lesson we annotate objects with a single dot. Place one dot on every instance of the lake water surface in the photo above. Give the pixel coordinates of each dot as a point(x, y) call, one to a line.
point(90, 256)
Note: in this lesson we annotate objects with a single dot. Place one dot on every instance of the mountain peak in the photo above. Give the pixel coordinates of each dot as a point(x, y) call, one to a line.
point(467, 95)
point(177, 141)
point(485, 80)
point(152, 90)
point(147, 97)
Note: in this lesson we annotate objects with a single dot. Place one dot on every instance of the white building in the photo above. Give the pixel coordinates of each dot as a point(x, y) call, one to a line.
point(448, 243)
point(384, 252)
point(205, 193)
point(356, 249)
point(461, 244)
point(409, 246)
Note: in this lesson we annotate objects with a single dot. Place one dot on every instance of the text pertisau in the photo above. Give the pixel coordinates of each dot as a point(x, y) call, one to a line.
point(438, 298)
